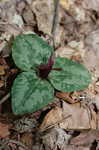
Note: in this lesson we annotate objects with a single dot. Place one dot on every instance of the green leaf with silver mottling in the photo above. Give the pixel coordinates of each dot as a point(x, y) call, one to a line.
point(29, 50)
point(30, 93)
point(71, 77)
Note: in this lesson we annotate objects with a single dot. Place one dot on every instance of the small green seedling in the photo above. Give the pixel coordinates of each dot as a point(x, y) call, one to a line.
point(42, 74)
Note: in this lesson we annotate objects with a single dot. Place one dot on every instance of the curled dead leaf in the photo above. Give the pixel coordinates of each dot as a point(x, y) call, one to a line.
point(66, 96)
point(51, 118)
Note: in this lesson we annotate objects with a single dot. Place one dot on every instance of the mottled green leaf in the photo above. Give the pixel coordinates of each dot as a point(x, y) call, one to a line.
point(72, 77)
point(29, 93)
point(29, 50)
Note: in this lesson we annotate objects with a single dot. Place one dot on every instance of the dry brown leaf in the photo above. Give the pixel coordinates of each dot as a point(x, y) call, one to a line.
point(27, 139)
point(51, 118)
point(80, 117)
point(43, 11)
point(71, 117)
point(66, 96)
point(4, 130)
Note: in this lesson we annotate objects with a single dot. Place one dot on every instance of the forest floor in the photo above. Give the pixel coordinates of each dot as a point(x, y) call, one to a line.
point(71, 122)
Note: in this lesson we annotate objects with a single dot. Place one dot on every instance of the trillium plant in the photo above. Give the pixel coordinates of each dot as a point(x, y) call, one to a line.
point(42, 74)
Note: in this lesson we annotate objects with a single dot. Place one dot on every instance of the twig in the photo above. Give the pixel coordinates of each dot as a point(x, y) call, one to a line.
point(19, 144)
point(4, 98)
point(55, 20)
point(51, 126)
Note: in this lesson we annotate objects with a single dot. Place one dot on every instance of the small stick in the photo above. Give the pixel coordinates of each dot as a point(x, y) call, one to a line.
point(4, 98)
point(51, 126)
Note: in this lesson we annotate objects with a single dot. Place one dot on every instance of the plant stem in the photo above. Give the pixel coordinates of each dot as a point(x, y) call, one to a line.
point(55, 20)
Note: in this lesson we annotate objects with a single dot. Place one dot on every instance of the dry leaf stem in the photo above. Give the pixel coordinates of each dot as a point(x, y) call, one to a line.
point(55, 20)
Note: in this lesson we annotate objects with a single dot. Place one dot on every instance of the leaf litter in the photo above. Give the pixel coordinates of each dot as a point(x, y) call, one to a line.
point(72, 122)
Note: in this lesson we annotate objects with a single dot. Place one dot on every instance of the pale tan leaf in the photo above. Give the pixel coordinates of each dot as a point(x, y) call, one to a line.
point(53, 117)
point(43, 11)
point(80, 117)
